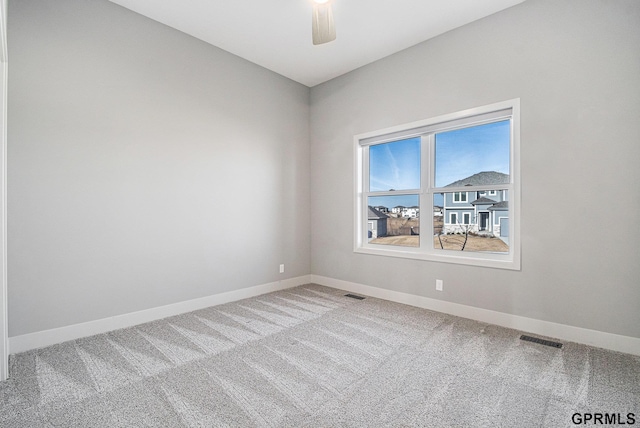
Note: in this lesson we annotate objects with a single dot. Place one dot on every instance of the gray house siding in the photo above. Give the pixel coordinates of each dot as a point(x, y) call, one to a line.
point(377, 228)
point(486, 208)
point(448, 200)
point(376, 223)
point(459, 213)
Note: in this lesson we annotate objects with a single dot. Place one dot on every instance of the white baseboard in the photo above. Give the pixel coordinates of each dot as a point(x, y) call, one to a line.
point(614, 342)
point(44, 338)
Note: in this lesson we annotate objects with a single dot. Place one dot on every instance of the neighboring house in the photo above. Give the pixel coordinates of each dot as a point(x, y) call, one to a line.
point(485, 212)
point(500, 217)
point(437, 211)
point(377, 223)
point(382, 209)
point(397, 211)
point(411, 212)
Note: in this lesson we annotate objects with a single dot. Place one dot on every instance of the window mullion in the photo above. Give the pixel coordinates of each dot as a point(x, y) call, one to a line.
point(426, 197)
point(365, 194)
point(395, 192)
point(474, 188)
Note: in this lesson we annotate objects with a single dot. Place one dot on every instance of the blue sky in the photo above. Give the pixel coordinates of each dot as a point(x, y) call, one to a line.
point(464, 152)
point(459, 154)
point(395, 165)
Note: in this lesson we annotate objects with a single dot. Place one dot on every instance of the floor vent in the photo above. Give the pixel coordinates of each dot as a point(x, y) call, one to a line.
point(541, 341)
point(353, 296)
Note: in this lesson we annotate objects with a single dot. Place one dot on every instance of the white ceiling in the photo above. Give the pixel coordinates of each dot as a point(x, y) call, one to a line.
point(276, 34)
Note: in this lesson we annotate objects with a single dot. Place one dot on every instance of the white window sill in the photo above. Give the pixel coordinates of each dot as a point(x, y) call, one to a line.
point(490, 260)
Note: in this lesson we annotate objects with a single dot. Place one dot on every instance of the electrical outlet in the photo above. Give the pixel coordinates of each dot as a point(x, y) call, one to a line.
point(282, 268)
point(439, 284)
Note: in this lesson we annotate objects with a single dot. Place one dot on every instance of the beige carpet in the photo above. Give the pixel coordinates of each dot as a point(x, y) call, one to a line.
point(310, 356)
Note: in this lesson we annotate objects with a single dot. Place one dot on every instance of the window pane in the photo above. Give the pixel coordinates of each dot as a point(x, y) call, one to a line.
point(460, 196)
point(480, 225)
point(477, 155)
point(395, 165)
point(394, 220)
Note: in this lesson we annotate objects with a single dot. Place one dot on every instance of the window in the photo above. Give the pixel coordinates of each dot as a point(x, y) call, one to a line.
point(466, 164)
point(459, 196)
point(466, 218)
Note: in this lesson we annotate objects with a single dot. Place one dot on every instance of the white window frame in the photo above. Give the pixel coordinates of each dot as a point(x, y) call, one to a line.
point(466, 218)
point(426, 129)
point(460, 201)
point(451, 217)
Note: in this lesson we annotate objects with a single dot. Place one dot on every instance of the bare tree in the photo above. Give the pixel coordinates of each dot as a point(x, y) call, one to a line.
point(466, 228)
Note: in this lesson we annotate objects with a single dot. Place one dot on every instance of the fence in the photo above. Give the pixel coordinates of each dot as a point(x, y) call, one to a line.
point(410, 226)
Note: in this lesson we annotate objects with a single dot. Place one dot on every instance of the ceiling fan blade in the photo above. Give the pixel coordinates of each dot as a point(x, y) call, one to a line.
point(323, 28)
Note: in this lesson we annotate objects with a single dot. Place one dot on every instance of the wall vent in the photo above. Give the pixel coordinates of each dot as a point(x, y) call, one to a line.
point(353, 296)
point(541, 341)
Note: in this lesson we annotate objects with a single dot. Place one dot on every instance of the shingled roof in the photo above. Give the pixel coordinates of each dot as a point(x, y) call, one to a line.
point(374, 214)
point(481, 179)
point(482, 200)
point(500, 205)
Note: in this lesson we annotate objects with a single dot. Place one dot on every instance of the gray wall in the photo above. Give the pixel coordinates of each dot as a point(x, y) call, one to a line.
point(145, 167)
point(575, 65)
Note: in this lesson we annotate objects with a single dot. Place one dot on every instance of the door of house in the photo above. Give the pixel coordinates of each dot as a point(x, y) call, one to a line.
point(484, 221)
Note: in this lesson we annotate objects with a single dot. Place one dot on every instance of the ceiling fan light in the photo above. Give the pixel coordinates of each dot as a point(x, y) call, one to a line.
point(323, 28)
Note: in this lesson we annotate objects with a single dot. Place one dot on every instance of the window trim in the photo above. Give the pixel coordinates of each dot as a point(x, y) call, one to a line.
point(509, 109)
point(468, 216)
point(451, 216)
point(460, 201)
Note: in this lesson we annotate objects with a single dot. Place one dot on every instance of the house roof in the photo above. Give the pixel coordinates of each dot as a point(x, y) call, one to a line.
point(482, 178)
point(374, 214)
point(482, 200)
point(500, 206)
